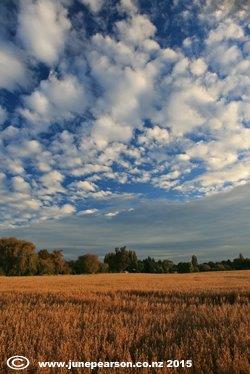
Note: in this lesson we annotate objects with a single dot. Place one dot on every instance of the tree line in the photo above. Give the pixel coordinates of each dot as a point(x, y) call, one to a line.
point(19, 257)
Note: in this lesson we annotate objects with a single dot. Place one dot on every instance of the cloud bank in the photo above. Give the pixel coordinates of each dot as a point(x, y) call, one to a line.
point(216, 227)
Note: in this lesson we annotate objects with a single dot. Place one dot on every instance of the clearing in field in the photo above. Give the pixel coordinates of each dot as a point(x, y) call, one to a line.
point(128, 317)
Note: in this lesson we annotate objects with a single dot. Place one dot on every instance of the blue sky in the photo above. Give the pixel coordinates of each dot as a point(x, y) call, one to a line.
point(115, 112)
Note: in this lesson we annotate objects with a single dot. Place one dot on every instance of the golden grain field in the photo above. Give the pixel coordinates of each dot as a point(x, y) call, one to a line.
point(128, 317)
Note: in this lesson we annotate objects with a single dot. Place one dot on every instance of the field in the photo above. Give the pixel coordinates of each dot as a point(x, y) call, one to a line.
point(128, 317)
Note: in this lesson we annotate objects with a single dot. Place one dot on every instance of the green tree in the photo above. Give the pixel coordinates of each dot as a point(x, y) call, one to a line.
point(122, 260)
point(52, 262)
point(241, 258)
point(167, 266)
point(88, 264)
point(45, 263)
point(71, 266)
point(204, 267)
point(194, 263)
point(60, 265)
point(149, 265)
point(184, 267)
point(241, 263)
point(17, 257)
point(219, 267)
point(103, 267)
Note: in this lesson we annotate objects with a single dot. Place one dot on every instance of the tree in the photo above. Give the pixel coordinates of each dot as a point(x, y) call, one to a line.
point(87, 263)
point(17, 257)
point(241, 258)
point(219, 267)
point(149, 265)
point(212, 265)
point(45, 263)
point(122, 260)
point(103, 268)
point(194, 263)
point(184, 267)
point(71, 266)
point(60, 265)
point(167, 266)
point(52, 263)
point(204, 267)
point(241, 263)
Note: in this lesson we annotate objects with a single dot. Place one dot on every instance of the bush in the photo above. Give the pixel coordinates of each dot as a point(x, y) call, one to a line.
point(88, 264)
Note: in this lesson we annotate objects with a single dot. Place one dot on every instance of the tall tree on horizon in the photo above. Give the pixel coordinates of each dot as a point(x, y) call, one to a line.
point(122, 260)
point(17, 257)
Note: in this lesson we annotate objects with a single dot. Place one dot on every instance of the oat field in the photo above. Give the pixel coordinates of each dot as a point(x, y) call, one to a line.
point(128, 317)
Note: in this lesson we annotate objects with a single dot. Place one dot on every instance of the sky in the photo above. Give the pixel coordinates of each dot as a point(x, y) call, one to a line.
point(126, 123)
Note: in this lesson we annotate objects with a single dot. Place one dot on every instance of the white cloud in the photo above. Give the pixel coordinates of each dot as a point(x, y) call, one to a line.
point(227, 30)
point(198, 66)
point(136, 30)
point(12, 69)
point(10, 132)
point(224, 58)
point(52, 182)
point(86, 186)
point(24, 148)
point(67, 209)
point(43, 28)
point(235, 175)
point(55, 99)
point(87, 212)
point(20, 184)
point(94, 5)
point(112, 214)
point(127, 84)
point(128, 6)
point(187, 107)
point(106, 130)
point(15, 167)
point(155, 134)
point(56, 212)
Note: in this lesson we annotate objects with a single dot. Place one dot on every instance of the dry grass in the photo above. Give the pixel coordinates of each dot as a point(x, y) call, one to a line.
point(128, 317)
